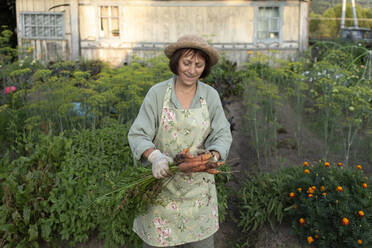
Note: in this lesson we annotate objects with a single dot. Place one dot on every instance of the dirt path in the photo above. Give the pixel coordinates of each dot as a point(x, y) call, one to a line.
point(243, 159)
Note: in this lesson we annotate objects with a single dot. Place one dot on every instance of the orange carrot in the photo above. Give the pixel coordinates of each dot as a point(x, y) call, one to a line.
point(200, 168)
point(213, 171)
point(188, 166)
point(201, 157)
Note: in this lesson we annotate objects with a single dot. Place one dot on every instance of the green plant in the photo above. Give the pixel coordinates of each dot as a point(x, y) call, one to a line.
point(262, 199)
point(226, 78)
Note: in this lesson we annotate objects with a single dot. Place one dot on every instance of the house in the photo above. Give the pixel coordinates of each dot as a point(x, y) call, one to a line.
point(115, 30)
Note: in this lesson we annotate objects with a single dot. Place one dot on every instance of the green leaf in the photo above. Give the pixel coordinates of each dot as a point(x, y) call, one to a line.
point(33, 232)
point(26, 215)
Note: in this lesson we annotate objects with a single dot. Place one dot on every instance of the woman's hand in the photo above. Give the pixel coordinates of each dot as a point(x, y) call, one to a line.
point(160, 164)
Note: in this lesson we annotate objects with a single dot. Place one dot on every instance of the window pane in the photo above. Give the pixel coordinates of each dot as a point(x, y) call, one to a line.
point(262, 35)
point(275, 12)
point(267, 12)
point(115, 27)
point(53, 20)
point(274, 35)
point(268, 23)
point(33, 20)
point(104, 11)
point(47, 20)
point(104, 27)
point(39, 20)
point(263, 25)
point(59, 20)
point(52, 32)
point(43, 25)
point(27, 20)
point(27, 31)
point(33, 33)
point(59, 32)
point(114, 11)
point(261, 11)
point(40, 32)
point(274, 24)
point(47, 31)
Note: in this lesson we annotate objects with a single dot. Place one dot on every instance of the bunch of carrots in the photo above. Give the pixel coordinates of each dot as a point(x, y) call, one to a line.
point(202, 162)
point(139, 189)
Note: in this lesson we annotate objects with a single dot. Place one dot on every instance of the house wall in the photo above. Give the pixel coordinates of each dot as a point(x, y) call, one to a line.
point(46, 49)
point(146, 27)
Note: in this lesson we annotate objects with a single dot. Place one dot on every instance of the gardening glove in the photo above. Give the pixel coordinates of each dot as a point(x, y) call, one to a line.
point(160, 164)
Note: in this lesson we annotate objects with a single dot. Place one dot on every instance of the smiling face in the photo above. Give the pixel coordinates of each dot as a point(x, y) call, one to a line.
point(190, 67)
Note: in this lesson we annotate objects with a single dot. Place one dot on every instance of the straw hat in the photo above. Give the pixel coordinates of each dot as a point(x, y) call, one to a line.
point(193, 41)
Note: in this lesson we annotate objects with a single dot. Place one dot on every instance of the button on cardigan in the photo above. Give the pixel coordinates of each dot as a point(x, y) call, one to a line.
point(145, 126)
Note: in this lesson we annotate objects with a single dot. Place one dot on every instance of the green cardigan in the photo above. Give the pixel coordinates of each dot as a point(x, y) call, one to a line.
point(144, 129)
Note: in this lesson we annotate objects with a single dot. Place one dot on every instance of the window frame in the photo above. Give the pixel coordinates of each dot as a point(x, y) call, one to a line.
point(280, 24)
point(23, 25)
point(109, 18)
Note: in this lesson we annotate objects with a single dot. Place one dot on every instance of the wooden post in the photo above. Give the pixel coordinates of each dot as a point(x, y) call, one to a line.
point(304, 26)
point(75, 37)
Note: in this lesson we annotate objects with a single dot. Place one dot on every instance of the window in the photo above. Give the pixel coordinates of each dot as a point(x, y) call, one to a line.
point(268, 23)
point(43, 25)
point(109, 21)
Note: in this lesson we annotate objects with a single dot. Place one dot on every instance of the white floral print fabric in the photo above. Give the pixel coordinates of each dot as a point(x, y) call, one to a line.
point(187, 209)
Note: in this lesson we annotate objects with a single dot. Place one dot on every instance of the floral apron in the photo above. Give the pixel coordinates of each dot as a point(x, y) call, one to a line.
point(187, 209)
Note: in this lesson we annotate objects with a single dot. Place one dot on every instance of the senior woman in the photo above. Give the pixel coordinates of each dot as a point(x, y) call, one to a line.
point(178, 113)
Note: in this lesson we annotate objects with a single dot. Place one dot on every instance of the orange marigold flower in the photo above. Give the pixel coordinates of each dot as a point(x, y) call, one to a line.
point(345, 221)
point(316, 236)
point(299, 189)
point(306, 163)
point(360, 213)
point(339, 164)
point(360, 242)
point(327, 164)
point(292, 194)
point(310, 195)
point(339, 189)
point(364, 185)
point(313, 187)
point(322, 188)
point(310, 240)
point(359, 167)
point(307, 171)
point(310, 190)
point(324, 193)
point(301, 221)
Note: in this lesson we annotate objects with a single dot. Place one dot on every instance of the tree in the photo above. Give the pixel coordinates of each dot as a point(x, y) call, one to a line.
point(8, 18)
point(331, 28)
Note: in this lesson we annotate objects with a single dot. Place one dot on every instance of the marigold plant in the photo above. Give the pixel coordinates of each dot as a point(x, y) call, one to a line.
point(338, 214)
point(316, 209)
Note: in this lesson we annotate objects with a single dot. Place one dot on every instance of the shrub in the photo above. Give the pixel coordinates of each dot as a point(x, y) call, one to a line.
point(226, 78)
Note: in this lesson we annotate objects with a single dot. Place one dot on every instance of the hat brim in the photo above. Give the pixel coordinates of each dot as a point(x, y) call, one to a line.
point(209, 50)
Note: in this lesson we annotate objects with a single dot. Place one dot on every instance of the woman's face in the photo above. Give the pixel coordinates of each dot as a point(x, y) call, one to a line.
point(190, 68)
